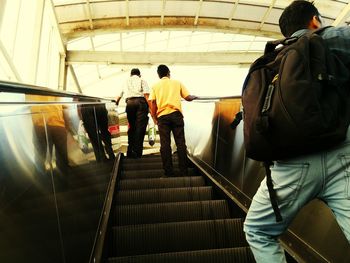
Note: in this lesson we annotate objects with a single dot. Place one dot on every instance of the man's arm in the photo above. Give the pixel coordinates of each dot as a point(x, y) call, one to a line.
point(154, 108)
point(117, 99)
point(146, 95)
point(191, 97)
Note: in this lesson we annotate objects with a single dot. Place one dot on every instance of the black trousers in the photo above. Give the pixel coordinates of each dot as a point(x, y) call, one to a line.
point(95, 119)
point(137, 114)
point(174, 123)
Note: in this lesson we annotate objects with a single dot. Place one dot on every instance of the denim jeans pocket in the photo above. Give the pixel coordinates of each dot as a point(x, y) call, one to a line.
point(287, 179)
point(345, 162)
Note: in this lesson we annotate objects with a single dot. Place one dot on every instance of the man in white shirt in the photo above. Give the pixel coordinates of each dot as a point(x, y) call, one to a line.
point(136, 92)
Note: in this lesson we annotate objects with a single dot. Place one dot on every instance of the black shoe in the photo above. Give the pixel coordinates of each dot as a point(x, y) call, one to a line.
point(131, 155)
point(169, 174)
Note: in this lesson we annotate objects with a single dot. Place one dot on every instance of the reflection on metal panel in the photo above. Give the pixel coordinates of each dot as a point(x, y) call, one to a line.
point(314, 234)
point(41, 163)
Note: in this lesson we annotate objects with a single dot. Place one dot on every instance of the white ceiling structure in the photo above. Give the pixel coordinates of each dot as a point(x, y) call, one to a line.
point(140, 31)
point(177, 32)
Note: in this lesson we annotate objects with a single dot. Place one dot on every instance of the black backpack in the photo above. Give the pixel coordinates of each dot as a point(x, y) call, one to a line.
point(296, 99)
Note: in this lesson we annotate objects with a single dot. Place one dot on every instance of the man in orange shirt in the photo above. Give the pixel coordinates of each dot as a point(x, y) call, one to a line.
point(165, 101)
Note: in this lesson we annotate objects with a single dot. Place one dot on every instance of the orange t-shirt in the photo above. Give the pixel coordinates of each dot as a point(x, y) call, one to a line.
point(53, 113)
point(168, 93)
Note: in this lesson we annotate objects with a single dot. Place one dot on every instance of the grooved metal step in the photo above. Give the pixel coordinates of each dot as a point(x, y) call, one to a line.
point(225, 255)
point(147, 159)
point(152, 173)
point(169, 182)
point(144, 165)
point(172, 219)
point(179, 236)
point(163, 195)
point(170, 212)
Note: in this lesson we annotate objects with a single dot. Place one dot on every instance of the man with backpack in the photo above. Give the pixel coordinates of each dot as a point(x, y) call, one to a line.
point(322, 174)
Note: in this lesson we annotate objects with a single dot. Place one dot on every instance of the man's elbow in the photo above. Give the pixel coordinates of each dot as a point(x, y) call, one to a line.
point(191, 97)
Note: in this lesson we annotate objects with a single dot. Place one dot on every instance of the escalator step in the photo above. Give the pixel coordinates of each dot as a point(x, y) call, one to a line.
point(179, 236)
point(163, 195)
point(225, 255)
point(152, 173)
point(171, 212)
point(169, 182)
point(147, 158)
point(144, 165)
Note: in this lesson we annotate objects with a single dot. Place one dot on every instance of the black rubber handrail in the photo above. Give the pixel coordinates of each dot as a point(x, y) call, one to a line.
point(97, 251)
point(216, 98)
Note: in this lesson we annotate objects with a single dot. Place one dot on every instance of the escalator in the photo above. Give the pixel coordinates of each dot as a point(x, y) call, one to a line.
point(171, 219)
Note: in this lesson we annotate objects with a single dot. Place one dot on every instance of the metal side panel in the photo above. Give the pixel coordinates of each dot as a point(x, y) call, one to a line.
point(51, 190)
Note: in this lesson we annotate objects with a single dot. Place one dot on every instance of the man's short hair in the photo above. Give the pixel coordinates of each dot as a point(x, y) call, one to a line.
point(297, 16)
point(163, 71)
point(135, 71)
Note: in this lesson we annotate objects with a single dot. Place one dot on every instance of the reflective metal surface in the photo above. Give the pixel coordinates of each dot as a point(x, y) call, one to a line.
point(314, 235)
point(49, 210)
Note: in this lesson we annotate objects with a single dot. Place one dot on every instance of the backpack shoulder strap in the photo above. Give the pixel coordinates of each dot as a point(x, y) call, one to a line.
point(271, 45)
point(272, 192)
point(321, 29)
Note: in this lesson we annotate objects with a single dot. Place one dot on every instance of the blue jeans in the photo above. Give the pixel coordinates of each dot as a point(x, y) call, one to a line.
point(297, 181)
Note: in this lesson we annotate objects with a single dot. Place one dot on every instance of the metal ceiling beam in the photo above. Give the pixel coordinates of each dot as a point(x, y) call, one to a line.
point(121, 41)
point(127, 12)
point(163, 12)
point(233, 11)
point(267, 13)
point(167, 40)
point(145, 41)
point(89, 12)
point(75, 79)
point(93, 49)
point(198, 12)
point(345, 13)
point(148, 28)
point(153, 58)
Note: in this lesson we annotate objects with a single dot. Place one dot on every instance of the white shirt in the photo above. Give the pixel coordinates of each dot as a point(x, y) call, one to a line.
point(134, 87)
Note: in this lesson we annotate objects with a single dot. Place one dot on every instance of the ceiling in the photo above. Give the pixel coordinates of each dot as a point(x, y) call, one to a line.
point(149, 31)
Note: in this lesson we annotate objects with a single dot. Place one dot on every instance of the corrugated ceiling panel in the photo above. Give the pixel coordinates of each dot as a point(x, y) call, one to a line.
point(145, 8)
point(250, 13)
point(214, 9)
point(71, 13)
point(181, 8)
point(108, 9)
point(271, 19)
